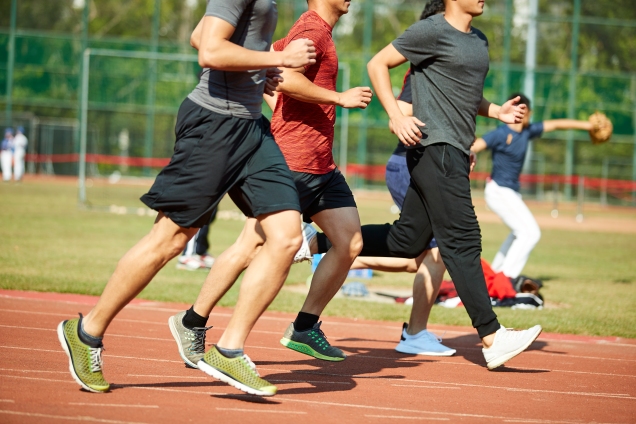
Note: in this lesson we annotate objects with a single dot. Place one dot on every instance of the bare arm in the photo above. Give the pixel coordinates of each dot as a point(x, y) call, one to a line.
point(406, 128)
point(508, 113)
point(566, 124)
point(296, 85)
point(271, 100)
point(195, 38)
point(478, 145)
point(217, 52)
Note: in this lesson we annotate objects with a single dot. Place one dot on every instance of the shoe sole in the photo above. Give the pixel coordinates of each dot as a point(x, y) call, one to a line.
point(62, 338)
point(307, 350)
point(505, 358)
point(175, 335)
point(187, 268)
point(220, 375)
point(424, 353)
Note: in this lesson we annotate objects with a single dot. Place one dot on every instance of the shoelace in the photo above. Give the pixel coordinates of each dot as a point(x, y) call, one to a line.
point(198, 343)
point(320, 338)
point(511, 333)
point(250, 364)
point(435, 337)
point(96, 358)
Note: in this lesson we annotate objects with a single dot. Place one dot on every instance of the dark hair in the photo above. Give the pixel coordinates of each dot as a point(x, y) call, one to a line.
point(524, 99)
point(433, 7)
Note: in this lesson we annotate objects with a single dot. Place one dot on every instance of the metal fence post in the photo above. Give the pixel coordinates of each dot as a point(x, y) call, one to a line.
point(152, 81)
point(344, 121)
point(11, 63)
point(366, 54)
point(574, 58)
point(505, 66)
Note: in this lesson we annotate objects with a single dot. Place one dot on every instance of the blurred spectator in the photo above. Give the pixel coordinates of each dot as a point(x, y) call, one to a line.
point(19, 150)
point(196, 256)
point(6, 154)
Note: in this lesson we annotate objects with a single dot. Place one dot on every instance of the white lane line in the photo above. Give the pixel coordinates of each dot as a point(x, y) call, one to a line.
point(116, 405)
point(402, 417)
point(66, 417)
point(425, 387)
point(517, 389)
point(261, 411)
point(7, 400)
point(285, 398)
point(310, 381)
point(167, 376)
point(36, 371)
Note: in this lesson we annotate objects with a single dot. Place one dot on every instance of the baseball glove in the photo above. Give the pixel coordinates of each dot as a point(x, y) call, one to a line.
point(601, 128)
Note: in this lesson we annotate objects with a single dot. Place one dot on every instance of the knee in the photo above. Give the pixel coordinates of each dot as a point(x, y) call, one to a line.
point(531, 236)
point(286, 244)
point(355, 247)
point(348, 243)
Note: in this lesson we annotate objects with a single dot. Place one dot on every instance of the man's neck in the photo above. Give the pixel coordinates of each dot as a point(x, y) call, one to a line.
point(458, 19)
point(325, 13)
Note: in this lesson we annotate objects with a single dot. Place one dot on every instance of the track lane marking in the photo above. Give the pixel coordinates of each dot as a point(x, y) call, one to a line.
point(66, 417)
point(402, 417)
point(116, 405)
point(261, 411)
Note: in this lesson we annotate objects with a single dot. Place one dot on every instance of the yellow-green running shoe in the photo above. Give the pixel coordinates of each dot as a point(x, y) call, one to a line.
point(85, 362)
point(190, 342)
point(312, 342)
point(239, 372)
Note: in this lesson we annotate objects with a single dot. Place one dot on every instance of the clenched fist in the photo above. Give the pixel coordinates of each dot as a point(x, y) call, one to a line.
point(357, 97)
point(299, 53)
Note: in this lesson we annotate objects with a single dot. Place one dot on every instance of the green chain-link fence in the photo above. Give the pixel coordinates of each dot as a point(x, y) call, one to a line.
point(572, 57)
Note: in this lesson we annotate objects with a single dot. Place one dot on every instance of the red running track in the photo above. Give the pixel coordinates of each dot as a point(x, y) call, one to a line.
point(561, 379)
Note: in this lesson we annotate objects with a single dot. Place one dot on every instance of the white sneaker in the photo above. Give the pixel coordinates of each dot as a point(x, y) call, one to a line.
point(304, 253)
point(423, 343)
point(191, 263)
point(208, 260)
point(508, 344)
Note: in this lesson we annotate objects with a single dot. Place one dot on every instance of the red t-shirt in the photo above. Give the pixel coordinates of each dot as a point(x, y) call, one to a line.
point(304, 131)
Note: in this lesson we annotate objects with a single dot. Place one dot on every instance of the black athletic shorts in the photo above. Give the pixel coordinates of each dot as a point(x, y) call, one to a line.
point(321, 192)
point(217, 154)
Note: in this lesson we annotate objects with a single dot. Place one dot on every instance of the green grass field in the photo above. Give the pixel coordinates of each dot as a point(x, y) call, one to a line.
point(48, 244)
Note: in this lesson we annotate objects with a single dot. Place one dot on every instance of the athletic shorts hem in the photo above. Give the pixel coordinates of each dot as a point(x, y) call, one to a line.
point(276, 208)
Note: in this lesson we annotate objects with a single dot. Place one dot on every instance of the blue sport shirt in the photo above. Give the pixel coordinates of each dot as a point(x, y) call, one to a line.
point(509, 149)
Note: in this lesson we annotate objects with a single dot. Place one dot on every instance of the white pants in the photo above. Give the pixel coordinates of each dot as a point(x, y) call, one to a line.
point(18, 164)
point(524, 235)
point(5, 161)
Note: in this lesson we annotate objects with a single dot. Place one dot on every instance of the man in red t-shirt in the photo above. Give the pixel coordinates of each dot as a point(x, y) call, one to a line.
point(303, 126)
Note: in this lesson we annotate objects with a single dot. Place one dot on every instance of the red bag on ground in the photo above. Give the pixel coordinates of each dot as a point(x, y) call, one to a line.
point(499, 286)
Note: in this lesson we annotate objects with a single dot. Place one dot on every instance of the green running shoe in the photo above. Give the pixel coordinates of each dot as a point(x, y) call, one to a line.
point(191, 343)
point(312, 342)
point(239, 372)
point(85, 362)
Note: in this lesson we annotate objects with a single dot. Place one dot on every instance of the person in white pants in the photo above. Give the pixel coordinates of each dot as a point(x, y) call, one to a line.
point(19, 150)
point(6, 154)
point(509, 144)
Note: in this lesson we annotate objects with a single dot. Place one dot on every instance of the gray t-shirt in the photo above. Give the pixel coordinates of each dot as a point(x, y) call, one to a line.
point(449, 68)
point(238, 94)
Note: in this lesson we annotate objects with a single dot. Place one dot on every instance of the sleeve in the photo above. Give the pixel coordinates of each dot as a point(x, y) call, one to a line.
point(406, 95)
point(228, 10)
point(536, 129)
point(493, 139)
point(280, 44)
point(417, 43)
point(312, 33)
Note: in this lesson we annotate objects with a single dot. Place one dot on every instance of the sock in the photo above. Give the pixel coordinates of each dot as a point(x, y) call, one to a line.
point(86, 338)
point(230, 353)
point(323, 243)
point(191, 319)
point(305, 321)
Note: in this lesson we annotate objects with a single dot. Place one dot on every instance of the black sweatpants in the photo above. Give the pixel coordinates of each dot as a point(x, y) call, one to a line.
point(438, 202)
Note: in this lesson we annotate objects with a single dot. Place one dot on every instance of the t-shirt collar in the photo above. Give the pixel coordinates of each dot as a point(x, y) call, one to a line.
point(322, 21)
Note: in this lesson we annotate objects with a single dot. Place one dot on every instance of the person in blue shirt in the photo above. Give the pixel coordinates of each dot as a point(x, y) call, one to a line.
point(509, 144)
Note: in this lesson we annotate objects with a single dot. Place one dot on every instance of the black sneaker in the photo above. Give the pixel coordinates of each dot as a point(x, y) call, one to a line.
point(312, 342)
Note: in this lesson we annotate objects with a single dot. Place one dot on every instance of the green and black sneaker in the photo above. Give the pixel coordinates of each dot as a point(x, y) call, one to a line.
point(312, 342)
point(190, 342)
point(85, 362)
point(239, 372)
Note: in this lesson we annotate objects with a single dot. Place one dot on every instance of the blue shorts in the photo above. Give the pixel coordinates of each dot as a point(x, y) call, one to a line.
point(397, 181)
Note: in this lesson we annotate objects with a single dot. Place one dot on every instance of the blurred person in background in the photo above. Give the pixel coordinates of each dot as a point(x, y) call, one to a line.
point(19, 150)
point(6, 154)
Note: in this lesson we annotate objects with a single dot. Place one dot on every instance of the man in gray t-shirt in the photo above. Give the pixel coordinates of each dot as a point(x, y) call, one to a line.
point(223, 146)
point(449, 61)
